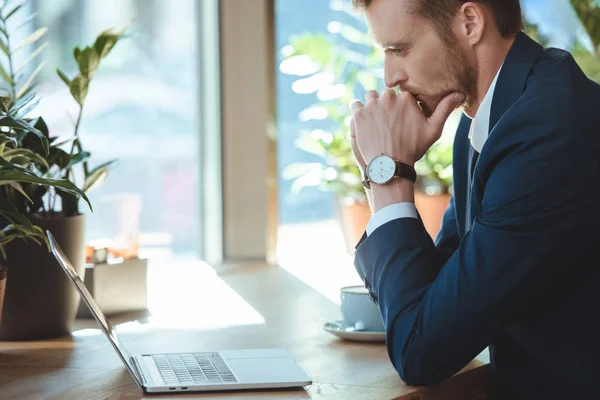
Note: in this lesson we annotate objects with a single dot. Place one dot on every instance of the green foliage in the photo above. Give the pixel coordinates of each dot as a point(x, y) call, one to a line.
point(434, 170)
point(33, 165)
point(588, 12)
point(88, 60)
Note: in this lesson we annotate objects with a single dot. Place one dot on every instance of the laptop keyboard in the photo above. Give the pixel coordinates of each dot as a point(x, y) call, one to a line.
point(197, 368)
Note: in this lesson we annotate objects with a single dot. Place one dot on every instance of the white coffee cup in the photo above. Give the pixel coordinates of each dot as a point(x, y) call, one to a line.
point(359, 311)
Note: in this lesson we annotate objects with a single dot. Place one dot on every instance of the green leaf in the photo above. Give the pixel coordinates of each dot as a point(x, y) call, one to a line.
point(6, 139)
point(17, 123)
point(20, 103)
point(64, 141)
point(76, 52)
point(4, 48)
point(88, 61)
point(63, 77)
point(23, 175)
point(23, 125)
point(30, 107)
point(106, 40)
point(79, 88)
point(102, 166)
point(31, 155)
point(77, 158)
point(12, 12)
point(25, 231)
point(34, 37)
point(96, 177)
point(5, 76)
point(3, 31)
point(25, 89)
point(41, 126)
point(17, 186)
point(33, 55)
point(58, 157)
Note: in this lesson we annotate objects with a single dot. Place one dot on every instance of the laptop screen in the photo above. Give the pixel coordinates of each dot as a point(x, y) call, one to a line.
point(107, 328)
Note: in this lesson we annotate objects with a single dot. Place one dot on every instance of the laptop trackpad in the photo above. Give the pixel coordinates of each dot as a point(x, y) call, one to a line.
point(256, 370)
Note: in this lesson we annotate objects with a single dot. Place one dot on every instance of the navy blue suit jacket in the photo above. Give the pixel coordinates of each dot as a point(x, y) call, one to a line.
point(522, 274)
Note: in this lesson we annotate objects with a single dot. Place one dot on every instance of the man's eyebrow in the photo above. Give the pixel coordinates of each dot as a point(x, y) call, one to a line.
point(398, 44)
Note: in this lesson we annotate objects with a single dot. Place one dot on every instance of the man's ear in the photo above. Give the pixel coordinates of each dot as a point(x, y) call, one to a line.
point(471, 21)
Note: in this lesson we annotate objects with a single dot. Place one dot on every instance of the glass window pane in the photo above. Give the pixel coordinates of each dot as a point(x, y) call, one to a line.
point(141, 109)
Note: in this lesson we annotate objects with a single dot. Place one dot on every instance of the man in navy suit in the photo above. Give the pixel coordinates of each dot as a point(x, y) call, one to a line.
point(515, 266)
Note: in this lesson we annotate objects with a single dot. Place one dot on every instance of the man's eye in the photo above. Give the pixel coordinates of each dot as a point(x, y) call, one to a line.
point(396, 50)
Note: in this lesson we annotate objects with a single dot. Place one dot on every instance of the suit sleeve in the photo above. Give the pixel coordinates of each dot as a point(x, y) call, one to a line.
point(441, 312)
point(447, 240)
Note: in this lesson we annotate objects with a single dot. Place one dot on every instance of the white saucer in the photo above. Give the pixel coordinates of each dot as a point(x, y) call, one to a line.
point(338, 329)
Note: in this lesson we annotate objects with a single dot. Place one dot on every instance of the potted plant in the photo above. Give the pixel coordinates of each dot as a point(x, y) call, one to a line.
point(15, 170)
point(48, 300)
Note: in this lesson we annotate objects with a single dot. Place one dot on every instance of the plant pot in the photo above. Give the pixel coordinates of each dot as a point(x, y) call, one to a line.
point(354, 217)
point(431, 209)
point(3, 273)
point(40, 301)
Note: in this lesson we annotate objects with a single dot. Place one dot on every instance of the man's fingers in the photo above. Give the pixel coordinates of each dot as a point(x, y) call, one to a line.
point(445, 108)
point(356, 105)
point(388, 94)
point(352, 129)
point(355, 150)
point(371, 95)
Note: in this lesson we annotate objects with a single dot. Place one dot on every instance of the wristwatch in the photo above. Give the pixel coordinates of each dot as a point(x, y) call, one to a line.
point(382, 169)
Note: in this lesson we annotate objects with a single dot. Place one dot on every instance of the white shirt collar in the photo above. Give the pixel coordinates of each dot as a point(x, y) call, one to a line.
point(480, 125)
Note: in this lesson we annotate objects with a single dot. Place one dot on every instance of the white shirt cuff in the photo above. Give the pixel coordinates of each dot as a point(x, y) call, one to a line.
point(390, 213)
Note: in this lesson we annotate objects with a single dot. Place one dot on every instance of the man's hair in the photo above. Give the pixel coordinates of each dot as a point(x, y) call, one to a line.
point(507, 13)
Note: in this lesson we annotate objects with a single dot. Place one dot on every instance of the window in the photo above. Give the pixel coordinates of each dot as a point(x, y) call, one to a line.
point(141, 109)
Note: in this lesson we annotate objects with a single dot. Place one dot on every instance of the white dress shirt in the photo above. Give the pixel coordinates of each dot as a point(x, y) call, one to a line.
point(478, 134)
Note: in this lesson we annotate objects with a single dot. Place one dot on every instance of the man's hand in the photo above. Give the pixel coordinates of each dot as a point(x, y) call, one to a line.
point(395, 125)
point(360, 161)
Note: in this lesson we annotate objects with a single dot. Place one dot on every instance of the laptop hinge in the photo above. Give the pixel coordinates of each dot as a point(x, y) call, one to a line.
point(138, 370)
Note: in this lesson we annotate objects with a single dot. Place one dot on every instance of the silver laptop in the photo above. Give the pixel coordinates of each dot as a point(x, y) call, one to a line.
point(194, 371)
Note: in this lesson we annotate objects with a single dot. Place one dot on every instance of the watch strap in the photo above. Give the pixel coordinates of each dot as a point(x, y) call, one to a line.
point(405, 171)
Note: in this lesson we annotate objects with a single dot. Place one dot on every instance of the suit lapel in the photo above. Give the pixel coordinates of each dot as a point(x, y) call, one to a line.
point(509, 87)
point(513, 75)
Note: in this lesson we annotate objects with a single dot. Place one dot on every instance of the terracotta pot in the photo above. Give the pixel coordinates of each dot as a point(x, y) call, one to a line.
point(354, 217)
point(431, 209)
point(3, 272)
point(40, 301)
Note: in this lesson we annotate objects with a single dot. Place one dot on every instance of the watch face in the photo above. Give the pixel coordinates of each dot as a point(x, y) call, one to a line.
point(381, 169)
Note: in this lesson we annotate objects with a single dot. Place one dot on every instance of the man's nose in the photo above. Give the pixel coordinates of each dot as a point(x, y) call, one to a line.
point(394, 75)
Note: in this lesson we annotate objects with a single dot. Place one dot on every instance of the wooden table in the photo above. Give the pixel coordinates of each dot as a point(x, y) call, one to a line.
point(84, 366)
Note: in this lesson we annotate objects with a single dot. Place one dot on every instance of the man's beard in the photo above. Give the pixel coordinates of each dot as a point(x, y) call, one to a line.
point(462, 78)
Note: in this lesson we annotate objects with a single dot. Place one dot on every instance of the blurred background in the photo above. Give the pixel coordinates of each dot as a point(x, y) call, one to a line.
point(143, 110)
point(228, 122)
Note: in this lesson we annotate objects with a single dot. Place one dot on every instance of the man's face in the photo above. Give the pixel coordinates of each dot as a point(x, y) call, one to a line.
point(417, 59)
